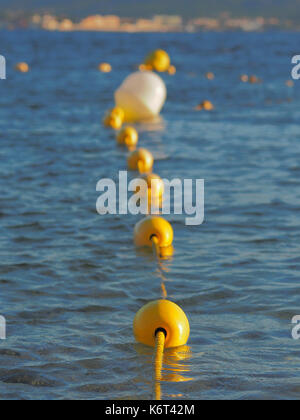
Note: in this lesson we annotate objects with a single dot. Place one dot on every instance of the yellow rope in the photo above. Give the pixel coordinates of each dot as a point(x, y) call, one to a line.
point(156, 251)
point(158, 362)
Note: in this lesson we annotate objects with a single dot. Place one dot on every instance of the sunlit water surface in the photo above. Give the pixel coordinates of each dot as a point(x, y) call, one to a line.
point(71, 281)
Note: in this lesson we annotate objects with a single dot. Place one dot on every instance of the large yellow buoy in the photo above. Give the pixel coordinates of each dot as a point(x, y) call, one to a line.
point(161, 315)
point(128, 136)
point(159, 60)
point(141, 96)
point(22, 67)
point(140, 160)
point(153, 226)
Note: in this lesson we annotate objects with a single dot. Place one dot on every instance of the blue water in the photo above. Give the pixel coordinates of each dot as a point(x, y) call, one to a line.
point(71, 280)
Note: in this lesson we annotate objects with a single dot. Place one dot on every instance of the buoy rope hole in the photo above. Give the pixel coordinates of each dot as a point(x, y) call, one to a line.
point(160, 324)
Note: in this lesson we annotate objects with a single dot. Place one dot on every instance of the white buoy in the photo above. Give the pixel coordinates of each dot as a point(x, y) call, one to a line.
point(142, 96)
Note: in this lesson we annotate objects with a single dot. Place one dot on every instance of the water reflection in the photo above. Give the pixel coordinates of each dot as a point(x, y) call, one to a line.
point(176, 367)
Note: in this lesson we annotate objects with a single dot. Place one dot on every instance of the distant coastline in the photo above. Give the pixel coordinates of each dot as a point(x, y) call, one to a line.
point(158, 23)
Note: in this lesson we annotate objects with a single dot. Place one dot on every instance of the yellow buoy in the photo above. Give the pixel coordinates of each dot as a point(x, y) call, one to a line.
point(159, 60)
point(254, 79)
point(155, 188)
point(153, 227)
point(105, 67)
point(245, 78)
point(128, 137)
point(118, 112)
point(210, 75)
point(114, 118)
point(206, 106)
point(22, 67)
point(172, 70)
point(140, 160)
point(161, 316)
point(113, 121)
point(145, 67)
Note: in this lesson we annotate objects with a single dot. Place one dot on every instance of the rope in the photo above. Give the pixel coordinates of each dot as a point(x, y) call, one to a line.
point(158, 362)
point(156, 251)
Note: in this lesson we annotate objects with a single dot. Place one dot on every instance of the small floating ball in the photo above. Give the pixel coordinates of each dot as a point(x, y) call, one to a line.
point(140, 160)
point(244, 78)
point(172, 70)
point(113, 121)
point(289, 83)
point(151, 226)
point(205, 106)
point(161, 315)
point(114, 118)
point(210, 75)
point(128, 137)
point(22, 67)
point(105, 67)
point(155, 186)
point(254, 79)
point(159, 60)
point(145, 67)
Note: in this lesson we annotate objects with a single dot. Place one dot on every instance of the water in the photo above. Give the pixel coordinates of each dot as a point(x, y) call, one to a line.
point(71, 280)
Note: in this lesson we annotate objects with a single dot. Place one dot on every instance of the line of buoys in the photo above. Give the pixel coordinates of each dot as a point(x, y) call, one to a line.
point(160, 324)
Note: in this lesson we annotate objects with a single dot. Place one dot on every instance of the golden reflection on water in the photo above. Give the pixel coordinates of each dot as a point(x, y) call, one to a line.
point(175, 368)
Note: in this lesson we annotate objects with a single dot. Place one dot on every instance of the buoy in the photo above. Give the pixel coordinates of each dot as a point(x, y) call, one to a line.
point(254, 79)
point(118, 112)
point(105, 67)
point(128, 136)
point(166, 252)
point(155, 189)
point(114, 118)
point(113, 121)
point(206, 106)
point(161, 316)
point(159, 60)
point(172, 70)
point(140, 160)
point(210, 75)
point(22, 67)
point(141, 96)
point(245, 78)
point(153, 227)
point(289, 83)
point(145, 67)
